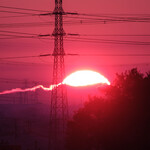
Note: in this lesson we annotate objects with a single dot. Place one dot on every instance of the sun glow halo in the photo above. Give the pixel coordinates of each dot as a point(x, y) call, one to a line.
point(85, 78)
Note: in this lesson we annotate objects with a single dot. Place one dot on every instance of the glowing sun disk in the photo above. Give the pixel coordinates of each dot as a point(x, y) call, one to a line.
point(85, 78)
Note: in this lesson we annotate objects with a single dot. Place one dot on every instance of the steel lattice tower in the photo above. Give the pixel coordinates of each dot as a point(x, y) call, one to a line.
point(59, 104)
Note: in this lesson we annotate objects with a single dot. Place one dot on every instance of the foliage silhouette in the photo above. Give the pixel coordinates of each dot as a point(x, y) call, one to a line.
point(118, 121)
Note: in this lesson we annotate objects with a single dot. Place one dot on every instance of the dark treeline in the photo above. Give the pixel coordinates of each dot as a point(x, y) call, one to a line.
point(118, 121)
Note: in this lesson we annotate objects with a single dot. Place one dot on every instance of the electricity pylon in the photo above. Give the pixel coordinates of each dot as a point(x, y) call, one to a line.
point(59, 104)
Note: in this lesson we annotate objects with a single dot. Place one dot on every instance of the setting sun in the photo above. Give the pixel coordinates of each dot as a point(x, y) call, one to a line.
point(85, 78)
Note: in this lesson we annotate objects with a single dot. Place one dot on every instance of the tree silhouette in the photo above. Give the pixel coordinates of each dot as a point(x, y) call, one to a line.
point(118, 121)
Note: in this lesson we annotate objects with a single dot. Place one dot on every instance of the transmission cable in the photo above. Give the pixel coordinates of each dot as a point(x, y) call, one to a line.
point(9, 7)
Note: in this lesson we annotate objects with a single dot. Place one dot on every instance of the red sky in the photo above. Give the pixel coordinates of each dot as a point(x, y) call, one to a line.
point(107, 65)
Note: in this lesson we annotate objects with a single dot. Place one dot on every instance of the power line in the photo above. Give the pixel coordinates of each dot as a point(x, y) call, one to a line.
point(16, 12)
point(92, 40)
point(120, 15)
point(116, 55)
point(76, 39)
point(113, 14)
point(34, 56)
point(27, 9)
point(123, 17)
point(22, 63)
point(17, 16)
point(97, 55)
point(95, 35)
point(13, 35)
point(114, 19)
point(19, 57)
point(27, 24)
point(74, 22)
point(72, 13)
point(72, 34)
point(13, 32)
point(6, 37)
